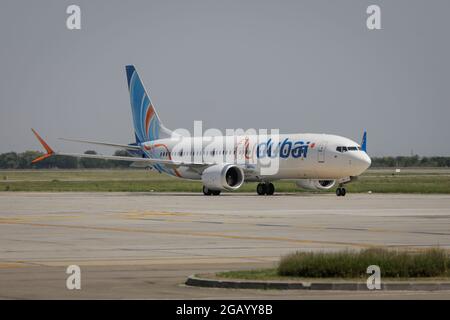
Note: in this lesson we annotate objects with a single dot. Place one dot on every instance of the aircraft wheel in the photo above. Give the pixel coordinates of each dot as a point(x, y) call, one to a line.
point(261, 189)
point(270, 189)
point(340, 192)
point(206, 191)
point(215, 192)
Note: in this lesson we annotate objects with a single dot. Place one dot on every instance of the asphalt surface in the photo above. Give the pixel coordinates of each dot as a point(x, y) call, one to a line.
point(144, 245)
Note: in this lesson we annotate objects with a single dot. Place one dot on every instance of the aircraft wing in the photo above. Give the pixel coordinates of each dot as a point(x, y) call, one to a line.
point(135, 160)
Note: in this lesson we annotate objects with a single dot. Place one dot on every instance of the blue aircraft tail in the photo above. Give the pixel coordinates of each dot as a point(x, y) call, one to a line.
point(147, 125)
point(364, 142)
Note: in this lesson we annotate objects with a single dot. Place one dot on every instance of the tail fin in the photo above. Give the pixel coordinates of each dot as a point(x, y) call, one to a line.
point(364, 142)
point(147, 125)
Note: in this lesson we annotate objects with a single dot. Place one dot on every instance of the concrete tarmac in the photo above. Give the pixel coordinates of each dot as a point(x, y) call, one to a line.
point(144, 245)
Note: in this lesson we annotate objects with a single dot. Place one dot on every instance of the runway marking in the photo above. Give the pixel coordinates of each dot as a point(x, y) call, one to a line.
point(25, 218)
point(144, 262)
point(140, 214)
point(215, 235)
point(300, 227)
point(196, 234)
point(9, 265)
point(349, 211)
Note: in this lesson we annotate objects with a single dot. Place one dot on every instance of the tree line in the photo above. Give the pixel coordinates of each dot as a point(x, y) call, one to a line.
point(13, 160)
point(410, 161)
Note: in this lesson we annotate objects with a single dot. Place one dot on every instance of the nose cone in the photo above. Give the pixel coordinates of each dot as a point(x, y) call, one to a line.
point(361, 162)
point(367, 161)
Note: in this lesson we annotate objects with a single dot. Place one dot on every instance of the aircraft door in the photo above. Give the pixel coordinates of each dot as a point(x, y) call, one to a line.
point(321, 152)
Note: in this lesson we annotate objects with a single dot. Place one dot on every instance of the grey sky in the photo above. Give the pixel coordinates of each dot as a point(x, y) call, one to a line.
point(301, 66)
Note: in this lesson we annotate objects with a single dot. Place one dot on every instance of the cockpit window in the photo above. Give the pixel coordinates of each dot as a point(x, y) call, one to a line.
point(345, 149)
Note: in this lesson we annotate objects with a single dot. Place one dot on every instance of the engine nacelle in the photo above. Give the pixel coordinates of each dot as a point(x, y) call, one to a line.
point(223, 177)
point(311, 184)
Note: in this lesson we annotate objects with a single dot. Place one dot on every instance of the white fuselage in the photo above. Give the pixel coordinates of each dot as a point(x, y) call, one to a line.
point(289, 156)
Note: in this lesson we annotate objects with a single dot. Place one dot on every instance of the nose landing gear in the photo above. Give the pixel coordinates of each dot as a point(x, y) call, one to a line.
point(340, 192)
point(265, 189)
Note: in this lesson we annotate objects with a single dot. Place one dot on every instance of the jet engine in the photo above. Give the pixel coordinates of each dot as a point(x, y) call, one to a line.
point(223, 177)
point(311, 184)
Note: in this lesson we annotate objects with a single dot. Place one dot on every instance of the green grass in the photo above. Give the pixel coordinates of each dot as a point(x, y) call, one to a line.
point(431, 263)
point(133, 180)
point(348, 264)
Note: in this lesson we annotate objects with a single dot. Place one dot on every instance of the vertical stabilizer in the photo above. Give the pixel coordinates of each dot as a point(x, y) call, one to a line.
point(364, 142)
point(147, 125)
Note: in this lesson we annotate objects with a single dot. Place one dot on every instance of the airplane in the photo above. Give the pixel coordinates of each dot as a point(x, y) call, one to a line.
point(313, 161)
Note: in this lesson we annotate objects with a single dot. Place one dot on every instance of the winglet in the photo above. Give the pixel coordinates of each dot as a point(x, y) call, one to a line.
point(364, 142)
point(47, 148)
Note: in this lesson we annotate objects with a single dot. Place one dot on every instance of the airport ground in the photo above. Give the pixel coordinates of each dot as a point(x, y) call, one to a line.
point(144, 245)
point(408, 180)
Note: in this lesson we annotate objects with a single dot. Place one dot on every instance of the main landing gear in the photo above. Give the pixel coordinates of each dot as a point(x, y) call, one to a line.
point(265, 188)
point(208, 192)
point(340, 192)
